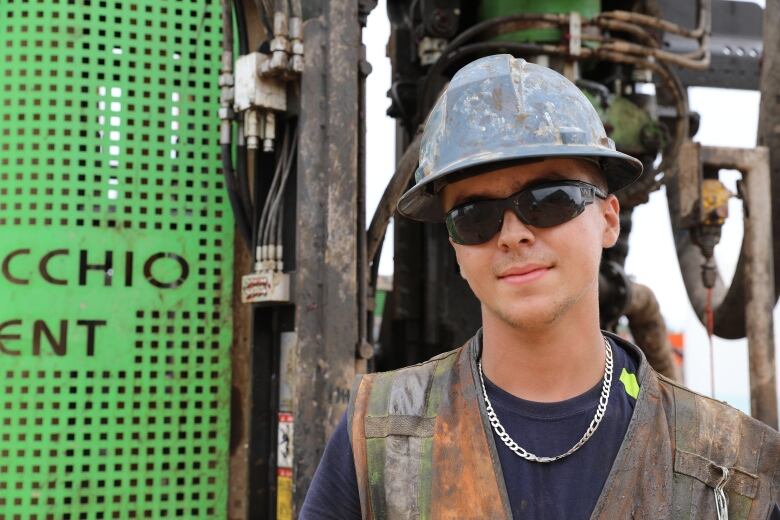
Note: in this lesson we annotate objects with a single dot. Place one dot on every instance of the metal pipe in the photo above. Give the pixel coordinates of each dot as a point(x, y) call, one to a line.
point(729, 302)
point(280, 45)
point(432, 287)
point(393, 191)
point(702, 26)
point(617, 25)
point(640, 50)
point(769, 117)
point(296, 36)
point(363, 350)
point(759, 279)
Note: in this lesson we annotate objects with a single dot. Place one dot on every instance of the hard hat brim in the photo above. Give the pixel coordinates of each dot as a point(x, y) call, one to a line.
point(422, 202)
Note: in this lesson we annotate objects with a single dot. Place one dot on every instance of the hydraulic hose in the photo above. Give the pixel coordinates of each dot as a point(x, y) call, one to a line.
point(265, 214)
point(239, 212)
point(275, 204)
point(296, 9)
point(263, 9)
point(243, 37)
point(243, 177)
point(235, 202)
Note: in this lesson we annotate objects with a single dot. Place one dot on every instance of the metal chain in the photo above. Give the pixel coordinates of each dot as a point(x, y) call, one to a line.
point(602, 408)
point(721, 500)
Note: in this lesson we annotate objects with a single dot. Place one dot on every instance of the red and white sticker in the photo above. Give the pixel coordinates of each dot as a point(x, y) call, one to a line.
point(284, 452)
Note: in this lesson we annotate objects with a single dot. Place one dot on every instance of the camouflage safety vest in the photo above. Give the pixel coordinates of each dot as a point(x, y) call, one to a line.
point(423, 448)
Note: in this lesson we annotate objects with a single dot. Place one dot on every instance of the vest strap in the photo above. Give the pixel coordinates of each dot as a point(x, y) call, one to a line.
point(406, 425)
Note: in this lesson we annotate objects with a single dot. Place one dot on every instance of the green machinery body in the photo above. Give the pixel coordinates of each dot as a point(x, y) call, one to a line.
point(116, 250)
point(496, 8)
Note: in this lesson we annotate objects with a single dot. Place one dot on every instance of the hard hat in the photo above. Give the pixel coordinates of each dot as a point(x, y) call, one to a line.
point(500, 110)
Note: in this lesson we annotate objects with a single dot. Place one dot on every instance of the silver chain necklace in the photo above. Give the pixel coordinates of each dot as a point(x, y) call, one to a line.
point(512, 445)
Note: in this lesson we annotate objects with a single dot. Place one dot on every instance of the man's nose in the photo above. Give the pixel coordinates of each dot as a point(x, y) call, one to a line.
point(513, 231)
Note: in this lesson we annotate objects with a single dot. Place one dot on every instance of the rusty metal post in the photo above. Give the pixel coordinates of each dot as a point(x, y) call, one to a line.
point(241, 395)
point(758, 273)
point(760, 291)
point(325, 282)
point(769, 108)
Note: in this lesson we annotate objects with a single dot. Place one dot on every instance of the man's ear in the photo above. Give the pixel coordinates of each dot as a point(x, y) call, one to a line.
point(611, 215)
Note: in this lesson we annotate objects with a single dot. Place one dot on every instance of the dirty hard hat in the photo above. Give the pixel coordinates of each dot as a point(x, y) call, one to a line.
point(501, 110)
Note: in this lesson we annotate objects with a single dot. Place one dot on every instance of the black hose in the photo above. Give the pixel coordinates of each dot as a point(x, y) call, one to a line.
point(262, 13)
point(227, 26)
point(506, 24)
point(243, 37)
point(296, 9)
point(243, 181)
point(235, 202)
point(226, 138)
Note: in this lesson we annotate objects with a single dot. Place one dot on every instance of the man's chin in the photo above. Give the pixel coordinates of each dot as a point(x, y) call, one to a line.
point(528, 317)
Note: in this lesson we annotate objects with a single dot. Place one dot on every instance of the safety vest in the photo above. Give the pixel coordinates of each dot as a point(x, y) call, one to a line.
point(423, 449)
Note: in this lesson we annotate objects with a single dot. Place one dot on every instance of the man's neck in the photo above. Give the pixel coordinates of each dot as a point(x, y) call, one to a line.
point(545, 364)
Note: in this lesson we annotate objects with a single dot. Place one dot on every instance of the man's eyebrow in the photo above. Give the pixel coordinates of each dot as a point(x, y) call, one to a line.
point(549, 177)
point(463, 199)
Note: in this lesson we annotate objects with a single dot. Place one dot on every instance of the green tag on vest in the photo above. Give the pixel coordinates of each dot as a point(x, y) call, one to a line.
point(629, 383)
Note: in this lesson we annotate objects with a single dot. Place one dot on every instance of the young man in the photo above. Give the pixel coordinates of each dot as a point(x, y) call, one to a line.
point(541, 414)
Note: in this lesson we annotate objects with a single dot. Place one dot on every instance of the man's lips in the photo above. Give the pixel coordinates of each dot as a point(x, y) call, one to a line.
point(524, 274)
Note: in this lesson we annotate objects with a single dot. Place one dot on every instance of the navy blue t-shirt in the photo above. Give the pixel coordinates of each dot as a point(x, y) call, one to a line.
point(568, 488)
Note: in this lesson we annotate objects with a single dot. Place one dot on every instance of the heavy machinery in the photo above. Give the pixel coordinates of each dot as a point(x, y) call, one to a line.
point(189, 270)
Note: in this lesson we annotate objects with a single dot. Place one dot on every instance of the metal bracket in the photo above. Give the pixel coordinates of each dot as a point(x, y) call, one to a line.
point(753, 163)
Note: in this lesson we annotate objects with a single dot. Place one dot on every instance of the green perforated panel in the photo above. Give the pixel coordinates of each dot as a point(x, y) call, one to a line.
point(116, 254)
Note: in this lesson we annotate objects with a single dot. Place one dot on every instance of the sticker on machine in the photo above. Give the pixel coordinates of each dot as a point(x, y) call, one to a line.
point(284, 453)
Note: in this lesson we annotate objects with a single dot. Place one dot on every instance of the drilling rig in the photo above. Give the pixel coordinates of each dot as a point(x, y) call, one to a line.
point(183, 342)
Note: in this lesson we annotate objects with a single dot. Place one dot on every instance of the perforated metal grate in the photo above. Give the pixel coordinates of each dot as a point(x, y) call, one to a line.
point(115, 256)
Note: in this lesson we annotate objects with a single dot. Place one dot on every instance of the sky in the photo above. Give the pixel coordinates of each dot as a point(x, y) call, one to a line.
point(728, 118)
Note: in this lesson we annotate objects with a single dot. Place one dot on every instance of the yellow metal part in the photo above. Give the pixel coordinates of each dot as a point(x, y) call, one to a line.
point(284, 495)
point(714, 202)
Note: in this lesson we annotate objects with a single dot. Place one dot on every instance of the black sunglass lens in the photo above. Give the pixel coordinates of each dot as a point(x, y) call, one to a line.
point(473, 223)
point(550, 205)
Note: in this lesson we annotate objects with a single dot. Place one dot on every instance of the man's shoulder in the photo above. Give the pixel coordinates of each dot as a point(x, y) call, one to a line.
point(715, 441)
point(707, 410)
point(424, 366)
point(686, 404)
point(404, 391)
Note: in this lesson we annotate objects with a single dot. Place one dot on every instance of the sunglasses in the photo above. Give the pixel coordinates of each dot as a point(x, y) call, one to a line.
point(543, 205)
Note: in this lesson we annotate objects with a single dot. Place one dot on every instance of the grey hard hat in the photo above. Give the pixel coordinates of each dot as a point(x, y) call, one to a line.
point(500, 110)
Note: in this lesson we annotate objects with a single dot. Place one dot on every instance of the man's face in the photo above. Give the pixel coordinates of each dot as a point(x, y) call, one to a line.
point(531, 277)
